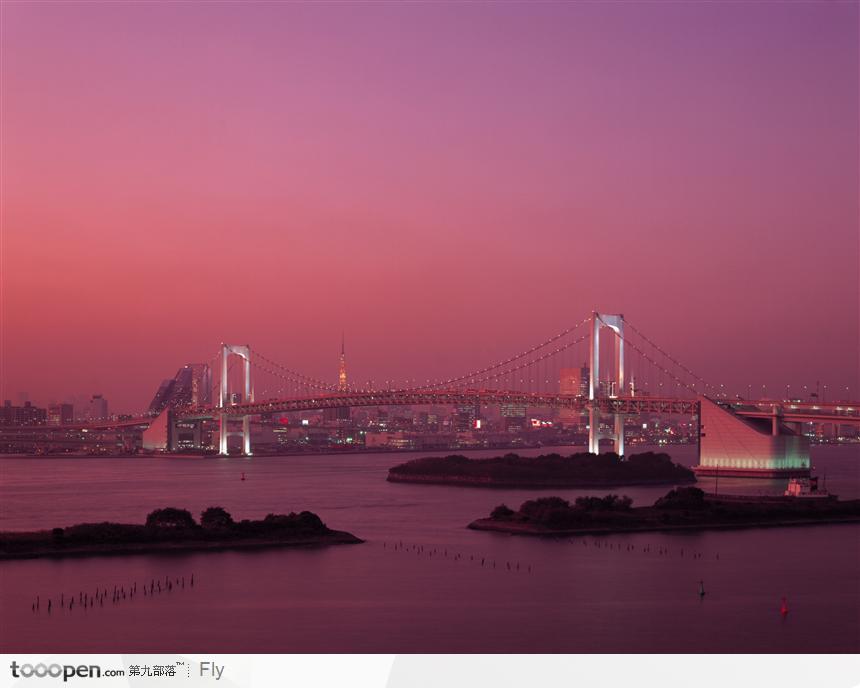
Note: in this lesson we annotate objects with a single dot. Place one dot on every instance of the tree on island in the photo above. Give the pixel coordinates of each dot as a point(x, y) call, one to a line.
point(682, 498)
point(610, 502)
point(216, 517)
point(502, 513)
point(170, 517)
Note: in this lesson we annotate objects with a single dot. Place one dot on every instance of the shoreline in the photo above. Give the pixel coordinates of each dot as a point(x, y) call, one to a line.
point(472, 481)
point(326, 451)
point(333, 537)
point(489, 525)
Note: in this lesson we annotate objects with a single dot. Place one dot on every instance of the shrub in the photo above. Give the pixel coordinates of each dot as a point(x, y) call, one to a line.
point(682, 498)
point(502, 513)
point(610, 502)
point(216, 517)
point(170, 517)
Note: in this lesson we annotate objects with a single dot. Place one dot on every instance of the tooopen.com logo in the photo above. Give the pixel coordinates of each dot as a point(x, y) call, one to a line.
point(64, 671)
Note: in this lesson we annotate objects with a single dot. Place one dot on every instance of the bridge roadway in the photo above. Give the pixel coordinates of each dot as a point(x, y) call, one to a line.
point(789, 411)
point(799, 412)
point(483, 397)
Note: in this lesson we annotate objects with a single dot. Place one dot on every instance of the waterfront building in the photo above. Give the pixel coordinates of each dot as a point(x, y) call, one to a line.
point(60, 414)
point(26, 414)
point(732, 445)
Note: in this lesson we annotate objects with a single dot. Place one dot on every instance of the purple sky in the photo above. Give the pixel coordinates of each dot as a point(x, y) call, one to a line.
point(447, 183)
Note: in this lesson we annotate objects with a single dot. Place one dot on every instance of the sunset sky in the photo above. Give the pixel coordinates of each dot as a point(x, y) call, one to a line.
point(446, 183)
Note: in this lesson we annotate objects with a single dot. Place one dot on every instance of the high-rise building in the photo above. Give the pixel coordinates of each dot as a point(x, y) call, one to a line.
point(201, 384)
point(60, 414)
point(513, 417)
point(190, 387)
point(98, 408)
point(26, 414)
point(573, 382)
point(162, 397)
point(466, 417)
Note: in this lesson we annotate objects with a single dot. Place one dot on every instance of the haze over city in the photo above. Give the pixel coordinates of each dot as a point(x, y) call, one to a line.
point(445, 183)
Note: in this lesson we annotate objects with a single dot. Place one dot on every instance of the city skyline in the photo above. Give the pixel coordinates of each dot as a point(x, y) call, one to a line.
point(275, 193)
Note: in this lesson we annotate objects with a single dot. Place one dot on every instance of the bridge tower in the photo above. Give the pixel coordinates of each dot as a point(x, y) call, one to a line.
point(244, 352)
point(616, 324)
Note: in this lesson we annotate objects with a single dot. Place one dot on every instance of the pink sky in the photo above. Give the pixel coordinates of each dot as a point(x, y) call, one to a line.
point(446, 183)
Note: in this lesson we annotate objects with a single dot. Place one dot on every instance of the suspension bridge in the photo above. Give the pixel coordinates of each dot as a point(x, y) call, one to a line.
point(618, 372)
point(602, 368)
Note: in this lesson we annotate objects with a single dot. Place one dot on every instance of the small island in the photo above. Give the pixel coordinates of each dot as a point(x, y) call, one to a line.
point(173, 530)
point(683, 508)
point(545, 472)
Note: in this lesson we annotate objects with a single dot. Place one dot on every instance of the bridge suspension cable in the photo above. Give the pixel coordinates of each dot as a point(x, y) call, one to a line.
point(527, 364)
point(502, 364)
point(671, 374)
point(291, 375)
point(669, 356)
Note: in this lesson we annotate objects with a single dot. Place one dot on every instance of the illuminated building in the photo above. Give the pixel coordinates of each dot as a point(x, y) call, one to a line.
point(730, 445)
point(191, 386)
point(342, 385)
point(572, 381)
point(513, 417)
point(466, 417)
point(60, 414)
point(22, 415)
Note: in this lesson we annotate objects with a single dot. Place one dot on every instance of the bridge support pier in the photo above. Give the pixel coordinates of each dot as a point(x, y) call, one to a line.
point(593, 430)
point(619, 434)
point(615, 323)
point(244, 352)
point(222, 435)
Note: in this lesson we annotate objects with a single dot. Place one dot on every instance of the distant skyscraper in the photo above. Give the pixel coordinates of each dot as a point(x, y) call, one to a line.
point(572, 381)
point(201, 384)
point(98, 408)
point(190, 387)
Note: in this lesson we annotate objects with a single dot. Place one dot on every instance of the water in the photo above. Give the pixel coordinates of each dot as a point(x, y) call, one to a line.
point(580, 595)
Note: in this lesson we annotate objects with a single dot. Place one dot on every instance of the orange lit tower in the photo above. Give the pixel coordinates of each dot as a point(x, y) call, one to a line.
point(341, 373)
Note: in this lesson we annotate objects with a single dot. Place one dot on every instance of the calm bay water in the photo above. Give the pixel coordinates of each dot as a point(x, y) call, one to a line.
point(577, 595)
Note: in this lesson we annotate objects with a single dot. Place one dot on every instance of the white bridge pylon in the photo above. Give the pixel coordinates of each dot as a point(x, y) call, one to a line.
point(244, 352)
point(616, 324)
